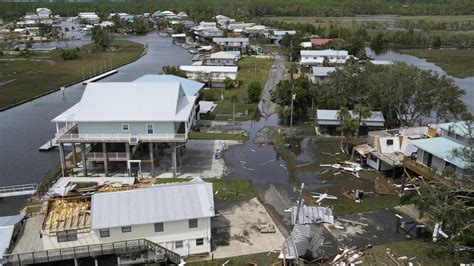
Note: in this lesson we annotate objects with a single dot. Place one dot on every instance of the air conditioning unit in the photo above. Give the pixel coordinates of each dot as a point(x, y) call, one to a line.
point(133, 140)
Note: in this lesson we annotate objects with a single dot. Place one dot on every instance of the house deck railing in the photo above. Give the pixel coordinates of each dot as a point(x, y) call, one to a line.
point(117, 248)
point(99, 156)
point(162, 137)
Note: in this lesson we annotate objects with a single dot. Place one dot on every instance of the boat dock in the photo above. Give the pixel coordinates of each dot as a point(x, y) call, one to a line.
point(18, 190)
point(101, 76)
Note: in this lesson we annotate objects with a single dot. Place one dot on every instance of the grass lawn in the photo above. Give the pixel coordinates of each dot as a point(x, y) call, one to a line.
point(43, 72)
point(344, 206)
point(225, 189)
point(220, 136)
point(250, 69)
point(425, 253)
point(260, 259)
point(456, 62)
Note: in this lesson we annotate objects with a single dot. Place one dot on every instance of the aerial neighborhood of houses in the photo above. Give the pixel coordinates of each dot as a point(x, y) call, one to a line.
point(121, 138)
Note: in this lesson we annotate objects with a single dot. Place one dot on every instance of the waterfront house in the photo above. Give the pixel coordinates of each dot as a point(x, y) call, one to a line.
point(440, 153)
point(222, 59)
point(137, 225)
point(179, 38)
point(176, 216)
point(115, 119)
point(232, 44)
point(311, 58)
point(320, 74)
point(10, 227)
point(214, 76)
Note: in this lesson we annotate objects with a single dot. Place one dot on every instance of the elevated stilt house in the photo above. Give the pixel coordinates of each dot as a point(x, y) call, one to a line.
point(115, 119)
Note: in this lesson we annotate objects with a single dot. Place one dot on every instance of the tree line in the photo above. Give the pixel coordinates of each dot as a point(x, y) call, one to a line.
point(251, 8)
point(405, 94)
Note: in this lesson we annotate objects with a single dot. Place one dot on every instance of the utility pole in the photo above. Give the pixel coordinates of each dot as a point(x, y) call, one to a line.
point(293, 96)
point(233, 114)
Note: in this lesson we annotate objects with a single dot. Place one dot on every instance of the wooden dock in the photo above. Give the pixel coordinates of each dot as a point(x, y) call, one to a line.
point(101, 76)
point(49, 145)
point(18, 190)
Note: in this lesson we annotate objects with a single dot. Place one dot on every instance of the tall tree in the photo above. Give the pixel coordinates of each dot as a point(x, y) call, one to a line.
point(362, 113)
point(101, 37)
point(348, 126)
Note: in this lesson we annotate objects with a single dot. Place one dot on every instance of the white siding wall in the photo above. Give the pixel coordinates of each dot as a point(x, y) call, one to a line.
point(173, 231)
point(116, 127)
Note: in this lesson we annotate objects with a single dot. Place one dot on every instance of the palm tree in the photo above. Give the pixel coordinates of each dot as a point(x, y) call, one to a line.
point(348, 126)
point(362, 112)
point(293, 70)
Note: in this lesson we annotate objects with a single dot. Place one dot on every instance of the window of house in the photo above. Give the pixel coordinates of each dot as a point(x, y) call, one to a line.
point(199, 241)
point(126, 229)
point(193, 223)
point(125, 127)
point(159, 227)
point(389, 142)
point(104, 233)
point(149, 129)
point(178, 244)
point(68, 235)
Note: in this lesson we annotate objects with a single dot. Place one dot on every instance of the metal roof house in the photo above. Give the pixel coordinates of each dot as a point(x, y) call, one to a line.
point(176, 216)
point(213, 75)
point(113, 119)
point(320, 74)
point(330, 118)
point(232, 44)
point(9, 229)
point(440, 153)
point(159, 223)
point(222, 59)
point(317, 57)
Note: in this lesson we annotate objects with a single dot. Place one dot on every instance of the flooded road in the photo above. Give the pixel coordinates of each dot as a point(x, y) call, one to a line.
point(26, 127)
point(467, 84)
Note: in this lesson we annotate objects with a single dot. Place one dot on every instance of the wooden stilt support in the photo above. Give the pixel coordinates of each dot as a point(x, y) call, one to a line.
point(127, 151)
point(84, 159)
point(152, 160)
point(175, 163)
point(106, 163)
point(63, 159)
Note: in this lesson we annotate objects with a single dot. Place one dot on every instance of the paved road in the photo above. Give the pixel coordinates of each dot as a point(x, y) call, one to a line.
point(267, 107)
